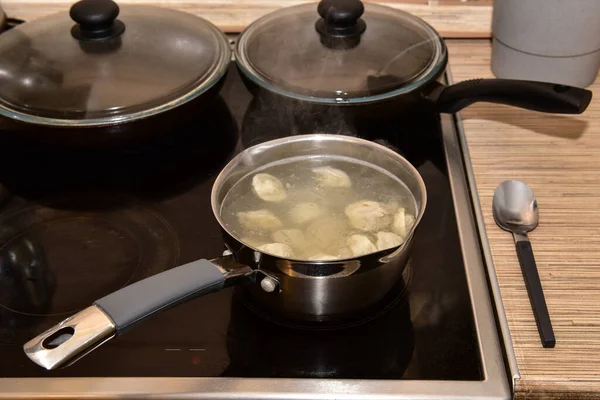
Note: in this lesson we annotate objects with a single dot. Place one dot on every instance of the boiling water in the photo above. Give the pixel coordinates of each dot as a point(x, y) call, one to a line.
point(305, 216)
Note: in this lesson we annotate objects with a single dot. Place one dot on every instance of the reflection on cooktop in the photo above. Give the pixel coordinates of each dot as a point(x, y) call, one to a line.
point(56, 262)
point(76, 226)
point(415, 136)
point(379, 348)
point(159, 169)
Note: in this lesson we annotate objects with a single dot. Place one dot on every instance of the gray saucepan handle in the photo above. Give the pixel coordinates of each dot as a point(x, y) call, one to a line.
point(113, 314)
point(131, 304)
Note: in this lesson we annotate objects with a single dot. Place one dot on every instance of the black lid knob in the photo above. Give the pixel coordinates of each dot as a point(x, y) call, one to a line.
point(341, 18)
point(96, 20)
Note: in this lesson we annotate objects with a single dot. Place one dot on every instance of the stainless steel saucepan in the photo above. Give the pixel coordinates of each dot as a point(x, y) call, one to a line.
point(297, 289)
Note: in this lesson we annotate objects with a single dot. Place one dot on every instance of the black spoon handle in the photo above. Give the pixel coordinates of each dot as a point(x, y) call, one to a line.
point(536, 294)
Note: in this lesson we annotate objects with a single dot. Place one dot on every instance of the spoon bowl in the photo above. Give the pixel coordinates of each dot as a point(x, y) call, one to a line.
point(515, 207)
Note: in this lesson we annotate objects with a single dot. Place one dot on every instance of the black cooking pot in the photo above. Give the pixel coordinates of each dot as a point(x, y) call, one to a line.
point(341, 57)
point(95, 80)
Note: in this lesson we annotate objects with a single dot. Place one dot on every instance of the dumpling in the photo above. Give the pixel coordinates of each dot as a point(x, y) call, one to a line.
point(277, 249)
point(342, 252)
point(361, 245)
point(291, 237)
point(254, 241)
point(368, 215)
point(332, 177)
point(260, 220)
point(322, 233)
point(268, 188)
point(302, 213)
point(402, 223)
point(387, 240)
point(339, 250)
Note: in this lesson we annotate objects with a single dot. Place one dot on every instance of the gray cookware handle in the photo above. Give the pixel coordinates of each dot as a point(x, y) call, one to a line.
point(76, 336)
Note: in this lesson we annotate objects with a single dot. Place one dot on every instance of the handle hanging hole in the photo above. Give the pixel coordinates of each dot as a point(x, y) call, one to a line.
point(58, 338)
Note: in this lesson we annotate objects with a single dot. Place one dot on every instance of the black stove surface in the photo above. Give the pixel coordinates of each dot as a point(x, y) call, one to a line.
point(77, 226)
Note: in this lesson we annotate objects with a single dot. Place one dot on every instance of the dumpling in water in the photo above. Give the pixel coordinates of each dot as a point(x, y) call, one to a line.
point(323, 233)
point(277, 249)
point(368, 215)
point(254, 241)
point(268, 188)
point(342, 251)
point(291, 237)
point(361, 245)
point(332, 177)
point(260, 220)
point(387, 240)
point(302, 213)
point(402, 223)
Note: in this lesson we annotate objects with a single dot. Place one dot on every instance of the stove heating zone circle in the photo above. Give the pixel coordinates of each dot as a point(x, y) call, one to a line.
point(55, 262)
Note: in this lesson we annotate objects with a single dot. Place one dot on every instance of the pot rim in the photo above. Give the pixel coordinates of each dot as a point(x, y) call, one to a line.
point(387, 253)
point(251, 73)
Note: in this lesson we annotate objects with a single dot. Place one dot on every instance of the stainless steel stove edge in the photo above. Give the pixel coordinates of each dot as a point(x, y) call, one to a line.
point(490, 345)
point(494, 386)
point(502, 322)
point(244, 389)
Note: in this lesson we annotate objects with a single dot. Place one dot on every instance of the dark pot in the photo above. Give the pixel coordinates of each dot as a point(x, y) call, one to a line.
point(106, 77)
point(332, 60)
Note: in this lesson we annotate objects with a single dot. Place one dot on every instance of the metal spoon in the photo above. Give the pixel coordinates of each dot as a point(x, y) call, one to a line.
point(515, 210)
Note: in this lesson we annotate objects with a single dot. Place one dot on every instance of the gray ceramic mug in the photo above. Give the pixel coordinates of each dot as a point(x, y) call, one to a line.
point(547, 40)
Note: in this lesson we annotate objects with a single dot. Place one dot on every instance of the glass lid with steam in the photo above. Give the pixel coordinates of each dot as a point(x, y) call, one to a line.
point(340, 51)
point(104, 64)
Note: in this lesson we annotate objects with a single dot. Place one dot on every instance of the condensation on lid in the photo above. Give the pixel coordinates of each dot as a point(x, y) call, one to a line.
point(284, 52)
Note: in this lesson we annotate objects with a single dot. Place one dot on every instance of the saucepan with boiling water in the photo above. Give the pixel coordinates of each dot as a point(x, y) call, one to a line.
point(318, 226)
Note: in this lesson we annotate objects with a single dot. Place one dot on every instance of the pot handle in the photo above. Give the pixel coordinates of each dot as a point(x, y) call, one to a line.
point(117, 312)
point(537, 96)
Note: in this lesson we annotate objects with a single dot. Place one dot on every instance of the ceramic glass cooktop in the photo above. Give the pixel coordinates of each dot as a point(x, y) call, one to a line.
point(75, 226)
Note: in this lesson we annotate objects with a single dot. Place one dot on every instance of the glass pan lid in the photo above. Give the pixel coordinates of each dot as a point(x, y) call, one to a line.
point(93, 69)
point(335, 53)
